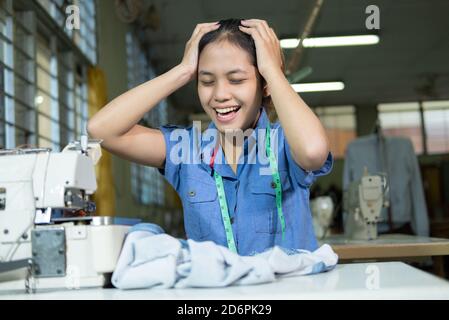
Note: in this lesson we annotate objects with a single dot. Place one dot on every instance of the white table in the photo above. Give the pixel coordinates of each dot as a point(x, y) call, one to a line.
point(383, 280)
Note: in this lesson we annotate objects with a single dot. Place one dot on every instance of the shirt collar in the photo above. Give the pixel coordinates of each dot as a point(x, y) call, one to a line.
point(221, 166)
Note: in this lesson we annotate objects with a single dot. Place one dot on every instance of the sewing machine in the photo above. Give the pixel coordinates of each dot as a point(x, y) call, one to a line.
point(363, 202)
point(48, 237)
point(322, 214)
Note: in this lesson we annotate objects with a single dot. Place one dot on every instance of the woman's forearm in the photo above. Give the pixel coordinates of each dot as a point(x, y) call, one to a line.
point(304, 132)
point(125, 111)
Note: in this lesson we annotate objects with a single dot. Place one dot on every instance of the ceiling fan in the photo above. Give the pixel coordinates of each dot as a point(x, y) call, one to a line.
point(428, 88)
point(129, 11)
point(136, 11)
point(298, 53)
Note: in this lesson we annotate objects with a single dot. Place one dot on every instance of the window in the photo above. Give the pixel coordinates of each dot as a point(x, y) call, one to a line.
point(404, 120)
point(84, 37)
point(47, 96)
point(18, 77)
point(340, 125)
point(7, 115)
point(146, 182)
point(66, 78)
point(43, 87)
point(436, 121)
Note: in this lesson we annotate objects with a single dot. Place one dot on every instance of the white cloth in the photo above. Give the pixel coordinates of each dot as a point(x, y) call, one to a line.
point(151, 258)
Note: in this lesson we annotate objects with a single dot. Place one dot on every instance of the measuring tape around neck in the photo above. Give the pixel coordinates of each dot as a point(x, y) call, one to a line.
point(222, 195)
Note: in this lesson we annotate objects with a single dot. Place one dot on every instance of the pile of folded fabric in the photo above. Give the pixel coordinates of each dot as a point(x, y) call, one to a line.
point(151, 258)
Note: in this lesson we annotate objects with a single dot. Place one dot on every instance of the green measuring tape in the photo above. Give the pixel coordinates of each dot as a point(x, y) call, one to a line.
point(222, 195)
point(225, 212)
point(276, 179)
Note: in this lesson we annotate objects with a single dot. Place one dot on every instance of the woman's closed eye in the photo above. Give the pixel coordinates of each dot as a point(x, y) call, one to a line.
point(207, 83)
point(236, 81)
point(231, 81)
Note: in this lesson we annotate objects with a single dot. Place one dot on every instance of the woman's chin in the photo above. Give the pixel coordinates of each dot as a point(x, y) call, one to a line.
point(228, 128)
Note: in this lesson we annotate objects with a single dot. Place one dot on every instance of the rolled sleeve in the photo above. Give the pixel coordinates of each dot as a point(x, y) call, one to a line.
point(170, 169)
point(304, 177)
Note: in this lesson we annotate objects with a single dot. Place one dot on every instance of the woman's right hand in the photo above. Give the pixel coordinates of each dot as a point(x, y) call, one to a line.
point(190, 59)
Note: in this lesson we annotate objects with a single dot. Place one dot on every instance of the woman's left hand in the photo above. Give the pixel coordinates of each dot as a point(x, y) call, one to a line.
point(268, 48)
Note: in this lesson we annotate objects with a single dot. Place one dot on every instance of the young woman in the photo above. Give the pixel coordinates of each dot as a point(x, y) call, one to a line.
point(229, 197)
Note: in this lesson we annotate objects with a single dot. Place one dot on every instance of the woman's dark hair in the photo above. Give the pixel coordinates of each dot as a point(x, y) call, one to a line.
point(229, 31)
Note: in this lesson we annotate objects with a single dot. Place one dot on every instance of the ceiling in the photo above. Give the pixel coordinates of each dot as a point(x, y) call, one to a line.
point(413, 51)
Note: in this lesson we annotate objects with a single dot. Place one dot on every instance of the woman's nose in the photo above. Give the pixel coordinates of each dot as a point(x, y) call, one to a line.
point(222, 92)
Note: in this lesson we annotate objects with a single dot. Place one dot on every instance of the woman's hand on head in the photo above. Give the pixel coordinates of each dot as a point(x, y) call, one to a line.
point(190, 59)
point(268, 48)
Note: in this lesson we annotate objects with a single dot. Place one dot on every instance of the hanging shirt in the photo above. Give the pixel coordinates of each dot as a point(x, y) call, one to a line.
point(406, 191)
point(250, 193)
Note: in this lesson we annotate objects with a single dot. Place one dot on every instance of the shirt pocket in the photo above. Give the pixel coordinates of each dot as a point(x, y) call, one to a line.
point(265, 215)
point(201, 209)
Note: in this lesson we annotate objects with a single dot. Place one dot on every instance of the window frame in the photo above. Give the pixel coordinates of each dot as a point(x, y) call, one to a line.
point(421, 107)
point(68, 66)
point(147, 184)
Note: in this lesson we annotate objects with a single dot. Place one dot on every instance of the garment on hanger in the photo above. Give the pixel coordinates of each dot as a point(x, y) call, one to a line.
point(396, 157)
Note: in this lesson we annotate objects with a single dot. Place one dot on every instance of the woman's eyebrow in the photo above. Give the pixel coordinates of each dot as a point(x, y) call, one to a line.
point(233, 71)
point(236, 71)
point(205, 73)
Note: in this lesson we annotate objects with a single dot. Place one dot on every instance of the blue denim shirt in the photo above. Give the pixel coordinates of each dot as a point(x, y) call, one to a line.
point(249, 192)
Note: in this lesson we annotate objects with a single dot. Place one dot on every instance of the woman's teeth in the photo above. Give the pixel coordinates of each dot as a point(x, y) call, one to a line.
point(226, 110)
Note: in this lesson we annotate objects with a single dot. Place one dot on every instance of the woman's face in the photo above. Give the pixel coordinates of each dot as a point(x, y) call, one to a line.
point(228, 86)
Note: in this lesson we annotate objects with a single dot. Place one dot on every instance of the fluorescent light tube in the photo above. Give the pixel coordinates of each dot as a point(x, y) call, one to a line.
point(318, 86)
point(331, 41)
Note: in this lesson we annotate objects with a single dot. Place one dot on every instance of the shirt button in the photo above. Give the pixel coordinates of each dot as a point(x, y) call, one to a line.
point(273, 185)
point(192, 193)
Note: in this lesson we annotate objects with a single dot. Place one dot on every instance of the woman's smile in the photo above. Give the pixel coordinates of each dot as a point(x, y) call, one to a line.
point(227, 114)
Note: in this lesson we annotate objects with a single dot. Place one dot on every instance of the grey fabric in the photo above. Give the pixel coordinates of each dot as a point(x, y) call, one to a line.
point(400, 162)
